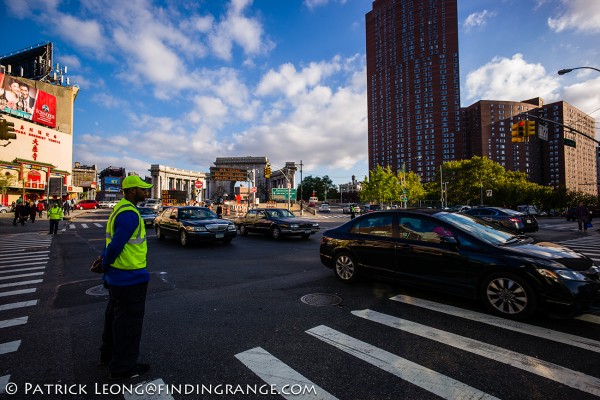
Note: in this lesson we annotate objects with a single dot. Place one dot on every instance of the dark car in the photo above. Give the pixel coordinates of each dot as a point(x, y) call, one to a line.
point(463, 255)
point(367, 208)
point(571, 214)
point(148, 215)
point(275, 222)
point(197, 223)
point(510, 219)
point(86, 205)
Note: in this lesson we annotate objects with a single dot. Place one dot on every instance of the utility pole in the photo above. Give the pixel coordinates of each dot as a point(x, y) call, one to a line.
point(301, 199)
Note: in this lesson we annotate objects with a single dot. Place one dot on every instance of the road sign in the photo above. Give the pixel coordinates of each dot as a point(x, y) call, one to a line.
point(198, 185)
point(254, 189)
point(569, 142)
point(282, 193)
point(228, 174)
point(488, 193)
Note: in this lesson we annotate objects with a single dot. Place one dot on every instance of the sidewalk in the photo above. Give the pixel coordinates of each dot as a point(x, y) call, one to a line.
point(40, 224)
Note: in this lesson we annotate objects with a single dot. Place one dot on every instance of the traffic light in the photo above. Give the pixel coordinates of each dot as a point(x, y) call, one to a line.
point(268, 171)
point(7, 130)
point(530, 128)
point(518, 132)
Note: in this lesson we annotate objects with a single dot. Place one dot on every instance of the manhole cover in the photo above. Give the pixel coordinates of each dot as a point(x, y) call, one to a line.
point(99, 290)
point(321, 299)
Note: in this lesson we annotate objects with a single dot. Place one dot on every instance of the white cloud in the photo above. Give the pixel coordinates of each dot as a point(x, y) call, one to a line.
point(86, 34)
point(511, 79)
point(478, 19)
point(585, 96)
point(578, 15)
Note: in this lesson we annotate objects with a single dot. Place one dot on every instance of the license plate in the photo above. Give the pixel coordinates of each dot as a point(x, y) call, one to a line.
point(220, 235)
point(306, 231)
point(528, 221)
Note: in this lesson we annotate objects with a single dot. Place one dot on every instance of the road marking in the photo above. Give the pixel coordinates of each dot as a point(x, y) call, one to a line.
point(13, 322)
point(84, 226)
point(2, 278)
point(274, 372)
point(3, 382)
point(14, 251)
point(9, 347)
point(19, 304)
point(98, 225)
point(545, 369)
point(32, 257)
point(17, 292)
point(6, 285)
point(594, 319)
point(146, 395)
point(72, 226)
point(423, 377)
point(20, 270)
point(544, 333)
point(24, 264)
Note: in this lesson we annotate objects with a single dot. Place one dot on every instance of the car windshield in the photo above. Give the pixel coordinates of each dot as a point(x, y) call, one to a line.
point(280, 214)
point(145, 210)
point(196, 213)
point(478, 228)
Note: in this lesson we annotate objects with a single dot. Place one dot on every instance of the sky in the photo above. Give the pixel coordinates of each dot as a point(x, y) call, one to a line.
point(180, 83)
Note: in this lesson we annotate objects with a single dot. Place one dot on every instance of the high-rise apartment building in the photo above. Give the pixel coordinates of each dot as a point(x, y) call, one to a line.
point(413, 85)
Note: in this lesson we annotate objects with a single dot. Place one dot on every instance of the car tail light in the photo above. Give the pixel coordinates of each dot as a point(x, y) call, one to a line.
point(514, 219)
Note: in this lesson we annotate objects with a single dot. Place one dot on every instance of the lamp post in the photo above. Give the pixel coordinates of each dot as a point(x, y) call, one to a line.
point(567, 70)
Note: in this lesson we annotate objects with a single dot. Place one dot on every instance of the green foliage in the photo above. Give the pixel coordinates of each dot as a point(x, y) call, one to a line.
point(383, 186)
point(7, 180)
point(323, 187)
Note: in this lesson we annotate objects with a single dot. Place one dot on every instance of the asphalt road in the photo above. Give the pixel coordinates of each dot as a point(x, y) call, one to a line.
point(233, 316)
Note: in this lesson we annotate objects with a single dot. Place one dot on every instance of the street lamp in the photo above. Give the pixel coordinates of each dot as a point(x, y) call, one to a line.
point(567, 70)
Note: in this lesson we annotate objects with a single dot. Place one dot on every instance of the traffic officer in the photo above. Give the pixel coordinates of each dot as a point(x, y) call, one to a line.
point(126, 278)
point(55, 214)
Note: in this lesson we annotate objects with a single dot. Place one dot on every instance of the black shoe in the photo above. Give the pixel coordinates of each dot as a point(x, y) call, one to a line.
point(136, 371)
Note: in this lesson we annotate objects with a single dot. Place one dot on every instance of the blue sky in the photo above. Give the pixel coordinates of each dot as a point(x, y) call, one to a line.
point(180, 83)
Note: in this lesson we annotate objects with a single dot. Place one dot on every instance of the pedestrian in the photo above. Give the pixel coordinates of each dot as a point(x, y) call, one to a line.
point(219, 211)
point(32, 212)
point(55, 214)
point(126, 278)
point(17, 212)
point(66, 207)
point(24, 213)
point(40, 208)
point(583, 216)
point(352, 211)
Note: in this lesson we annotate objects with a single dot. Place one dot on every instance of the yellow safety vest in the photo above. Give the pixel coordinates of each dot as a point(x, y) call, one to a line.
point(55, 213)
point(133, 255)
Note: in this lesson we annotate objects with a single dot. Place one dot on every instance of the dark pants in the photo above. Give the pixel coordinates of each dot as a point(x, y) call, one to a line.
point(53, 226)
point(123, 322)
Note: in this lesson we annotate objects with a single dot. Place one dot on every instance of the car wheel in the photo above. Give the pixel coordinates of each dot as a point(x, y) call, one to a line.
point(3, 211)
point(345, 268)
point(183, 238)
point(508, 296)
point(159, 234)
point(275, 232)
point(243, 230)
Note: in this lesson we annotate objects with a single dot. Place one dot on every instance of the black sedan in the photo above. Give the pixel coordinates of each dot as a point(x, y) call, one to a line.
point(510, 219)
point(275, 222)
point(466, 256)
point(197, 223)
point(148, 215)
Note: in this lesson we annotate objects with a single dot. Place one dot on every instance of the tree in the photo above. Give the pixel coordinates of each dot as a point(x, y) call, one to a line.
point(322, 187)
point(6, 181)
point(381, 186)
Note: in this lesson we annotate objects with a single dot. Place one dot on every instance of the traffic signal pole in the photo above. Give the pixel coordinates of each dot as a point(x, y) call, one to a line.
point(563, 125)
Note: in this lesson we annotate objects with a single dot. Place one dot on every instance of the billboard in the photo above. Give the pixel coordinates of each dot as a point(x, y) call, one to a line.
point(228, 174)
point(21, 100)
point(112, 181)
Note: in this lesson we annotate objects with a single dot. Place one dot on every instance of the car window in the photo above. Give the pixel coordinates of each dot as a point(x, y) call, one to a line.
point(422, 229)
point(380, 225)
point(261, 214)
point(483, 212)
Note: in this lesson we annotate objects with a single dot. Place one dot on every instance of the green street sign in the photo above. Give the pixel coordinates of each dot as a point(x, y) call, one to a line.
point(569, 142)
point(282, 193)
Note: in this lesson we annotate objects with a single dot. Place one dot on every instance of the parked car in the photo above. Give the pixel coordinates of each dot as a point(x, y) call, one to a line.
point(4, 209)
point(462, 255)
point(507, 218)
point(86, 205)
point(107, 204)
point(367, 208)
point(275, 222)
point(193, 223)
point(148, 215)
point(154, 204)
point(324, 208)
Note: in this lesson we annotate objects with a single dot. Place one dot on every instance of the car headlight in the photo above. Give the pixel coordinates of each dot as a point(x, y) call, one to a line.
point(315, 225)
point(231, 227)
point(565, 274)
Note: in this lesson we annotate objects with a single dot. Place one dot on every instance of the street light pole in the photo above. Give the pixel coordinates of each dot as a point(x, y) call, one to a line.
point(567, 70)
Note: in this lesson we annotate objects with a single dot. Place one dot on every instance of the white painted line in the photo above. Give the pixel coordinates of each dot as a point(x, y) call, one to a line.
point(425, 378)
point(17, 292)
point(11, 306)
point(3, 382)
point(21, 270)
point(515, 326)
point(274, 372)
point(146, 396)
point(84, 226)
point(13, 322)
point(545, 369)
point(32, 282)
point(98, 225)
point(25, 249)
point(24, 264)
point(594, 319)
point(9, 347)
point(23, 257)
point(72, 226)
point(3, 278)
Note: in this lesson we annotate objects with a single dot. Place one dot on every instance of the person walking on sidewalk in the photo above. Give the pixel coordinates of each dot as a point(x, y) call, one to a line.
point(32, 212)
point(55, 214)
point(40, 208)
point(583, 216)
point(126, 278)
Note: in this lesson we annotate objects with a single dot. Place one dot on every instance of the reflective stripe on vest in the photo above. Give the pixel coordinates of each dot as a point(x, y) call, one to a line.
point(133, 255)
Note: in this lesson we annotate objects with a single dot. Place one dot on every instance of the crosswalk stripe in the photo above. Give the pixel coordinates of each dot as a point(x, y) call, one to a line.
point(24, 264)
point(545, 369)
point(22, 283)
point(17, 292)
point(84, 225)
point(425, 378)
point(21, 250)
point(3, 382)
point(2, 278)
point(19, 304)
point(548, 334)
point(13, 322)
point(98, 225)
point(158, 383)
point(9, 347)
point(273, 371)
point(20, 270)
point(72, 226)
point(31, 257)
point(594, 319)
